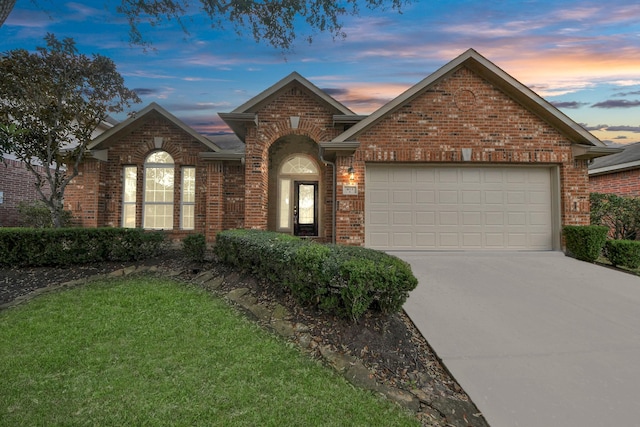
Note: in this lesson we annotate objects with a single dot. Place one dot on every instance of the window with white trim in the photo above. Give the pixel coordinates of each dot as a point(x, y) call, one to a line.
point(129, 188)
point(158, 191)
point(188, 202)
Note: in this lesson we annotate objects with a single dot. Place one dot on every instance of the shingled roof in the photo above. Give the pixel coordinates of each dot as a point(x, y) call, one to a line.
point(628, 158)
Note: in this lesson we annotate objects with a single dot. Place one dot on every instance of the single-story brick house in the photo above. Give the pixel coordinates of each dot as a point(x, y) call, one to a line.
point(618, 173)
point(468, 158)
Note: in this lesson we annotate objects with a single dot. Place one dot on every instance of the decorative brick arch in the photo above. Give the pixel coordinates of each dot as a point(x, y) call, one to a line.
point(282, 128)
point(257, 159)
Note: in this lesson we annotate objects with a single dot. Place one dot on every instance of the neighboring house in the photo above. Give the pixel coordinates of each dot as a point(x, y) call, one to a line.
point(618, 173)
point(468, 158)
point(17, 184)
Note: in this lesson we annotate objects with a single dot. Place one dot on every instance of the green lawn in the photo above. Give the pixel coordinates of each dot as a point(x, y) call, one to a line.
point(154, 352)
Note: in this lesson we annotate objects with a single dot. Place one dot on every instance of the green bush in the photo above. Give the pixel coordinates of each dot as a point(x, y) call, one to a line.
point(344, 280)
point(620, 214)
point(194, 247)
point(623, 253)
point(64, 246)
point(585, 242)
point(38, 215)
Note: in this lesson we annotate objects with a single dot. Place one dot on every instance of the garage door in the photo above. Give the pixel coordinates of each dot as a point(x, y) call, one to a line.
point(458, 208)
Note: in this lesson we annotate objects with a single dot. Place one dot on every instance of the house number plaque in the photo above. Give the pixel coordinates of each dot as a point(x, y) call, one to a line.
point(350, 190)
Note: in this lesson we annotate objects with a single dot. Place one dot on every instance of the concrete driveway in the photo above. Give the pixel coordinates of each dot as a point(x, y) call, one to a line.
point(535, 338)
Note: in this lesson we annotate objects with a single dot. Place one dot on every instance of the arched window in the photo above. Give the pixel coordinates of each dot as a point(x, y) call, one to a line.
point(158, 191)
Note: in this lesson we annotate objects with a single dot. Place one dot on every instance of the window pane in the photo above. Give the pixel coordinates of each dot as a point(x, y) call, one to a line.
point(159, 184)
point(306, 204)
point(284, 208)
point(188, 217)
point(299, 165)
point(130, 175)
point(158, 217)
point(129, 216)
point(160, 157)
point(188, 184)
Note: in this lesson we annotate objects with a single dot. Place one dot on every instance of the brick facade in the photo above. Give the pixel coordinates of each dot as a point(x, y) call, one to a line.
point(95, 196)
point(17, 184)
point(624, 183)
point(461, 109)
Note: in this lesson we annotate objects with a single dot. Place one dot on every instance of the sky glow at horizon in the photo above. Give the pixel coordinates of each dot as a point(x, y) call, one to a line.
point(582, 56)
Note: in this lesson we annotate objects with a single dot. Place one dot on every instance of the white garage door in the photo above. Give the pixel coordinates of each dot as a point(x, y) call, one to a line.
point(458, 208)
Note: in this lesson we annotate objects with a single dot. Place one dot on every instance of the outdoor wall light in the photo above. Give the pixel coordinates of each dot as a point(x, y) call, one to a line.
point(352, 173)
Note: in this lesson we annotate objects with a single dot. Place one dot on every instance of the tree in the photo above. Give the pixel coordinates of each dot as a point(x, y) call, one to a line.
point(270, 21)
point(51, 102)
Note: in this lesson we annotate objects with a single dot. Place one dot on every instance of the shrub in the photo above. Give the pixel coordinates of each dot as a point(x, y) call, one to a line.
point(194, 247)
point(64, 246)
point(344, 280)
point(585, 242)
point(623, 253)
point(38, 215)
point(620, 214)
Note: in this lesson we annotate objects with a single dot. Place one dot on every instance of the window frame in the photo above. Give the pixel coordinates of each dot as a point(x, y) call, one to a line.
point(127, 203)
point(145, 202)
point(183, 202)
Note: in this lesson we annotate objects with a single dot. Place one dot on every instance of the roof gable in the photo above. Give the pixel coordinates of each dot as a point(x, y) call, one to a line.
point(496, 76)
point(129, 125)
point(254, 104)
point(247, 112)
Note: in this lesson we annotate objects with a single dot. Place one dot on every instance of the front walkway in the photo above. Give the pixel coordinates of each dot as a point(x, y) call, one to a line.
point(535, 338)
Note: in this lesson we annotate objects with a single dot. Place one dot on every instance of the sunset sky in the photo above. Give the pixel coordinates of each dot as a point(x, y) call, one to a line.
point(582, 56)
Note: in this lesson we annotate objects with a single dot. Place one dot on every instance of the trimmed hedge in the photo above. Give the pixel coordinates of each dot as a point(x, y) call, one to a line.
point(344, 280)
point(64, 246)
point(623, 253)
point(585, 242)
point(194, 247)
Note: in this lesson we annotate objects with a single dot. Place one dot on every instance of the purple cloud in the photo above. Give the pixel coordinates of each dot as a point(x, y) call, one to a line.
point(616, 103)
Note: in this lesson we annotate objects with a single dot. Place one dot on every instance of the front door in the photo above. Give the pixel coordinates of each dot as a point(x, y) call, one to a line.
point(305, 208)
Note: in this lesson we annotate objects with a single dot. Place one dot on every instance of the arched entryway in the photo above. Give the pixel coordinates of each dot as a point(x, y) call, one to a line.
point(296, 187)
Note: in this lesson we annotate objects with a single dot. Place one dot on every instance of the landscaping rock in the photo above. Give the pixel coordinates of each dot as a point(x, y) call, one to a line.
point(204, 277)
point(236, 294)
point(358, 375)
point(261, 312)
point(282, 327)
point(338, 361)
point(214, 284)
point(401, 397)
point(128, 270)
point(458, 412)
point(280, 312)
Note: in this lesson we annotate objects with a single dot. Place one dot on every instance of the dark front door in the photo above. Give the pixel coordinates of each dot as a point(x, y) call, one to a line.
point(305, 208)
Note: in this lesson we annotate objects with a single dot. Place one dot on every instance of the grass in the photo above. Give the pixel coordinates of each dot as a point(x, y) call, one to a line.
point(154, 352)
point(604, 261)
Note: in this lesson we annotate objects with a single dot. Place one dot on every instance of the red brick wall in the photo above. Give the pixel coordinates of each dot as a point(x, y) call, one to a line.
point(462, 111)
point(17, 184)
point(624, 183)
point(316, 122)
point(96, 196)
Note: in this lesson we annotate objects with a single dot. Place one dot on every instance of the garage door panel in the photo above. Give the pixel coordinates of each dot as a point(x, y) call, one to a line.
point(472, 196)
point(402, 218)
point(379, 218)
point(425, 218)
point(402, 196)
point(447, 196)
point(426, 240)
point(438, 207)
point(378, 197)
